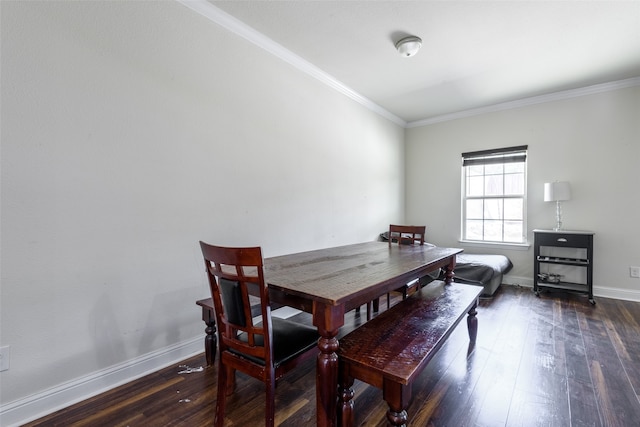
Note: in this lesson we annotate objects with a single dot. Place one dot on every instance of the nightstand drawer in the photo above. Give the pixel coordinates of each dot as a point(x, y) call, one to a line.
point(568, 240)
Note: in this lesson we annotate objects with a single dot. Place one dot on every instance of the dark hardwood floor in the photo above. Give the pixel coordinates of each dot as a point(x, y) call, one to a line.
point(549, 361)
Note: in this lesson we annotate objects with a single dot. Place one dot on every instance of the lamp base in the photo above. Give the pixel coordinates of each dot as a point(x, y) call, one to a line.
point(558, 226)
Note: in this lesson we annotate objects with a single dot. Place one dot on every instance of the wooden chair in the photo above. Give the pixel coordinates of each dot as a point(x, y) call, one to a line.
point(402, 235)
point(406, 235)
point(264, 349)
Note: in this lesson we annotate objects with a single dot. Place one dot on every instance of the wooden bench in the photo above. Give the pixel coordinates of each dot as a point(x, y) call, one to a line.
point(391, 350)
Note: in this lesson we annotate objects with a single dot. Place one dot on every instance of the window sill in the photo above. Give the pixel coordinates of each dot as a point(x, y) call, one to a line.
point(496, 245)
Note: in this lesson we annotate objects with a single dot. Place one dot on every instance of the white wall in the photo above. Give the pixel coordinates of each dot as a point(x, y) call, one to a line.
point(591, 141)
point(131, 130)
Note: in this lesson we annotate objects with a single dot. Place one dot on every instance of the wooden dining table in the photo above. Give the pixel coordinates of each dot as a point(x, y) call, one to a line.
point(330, 282)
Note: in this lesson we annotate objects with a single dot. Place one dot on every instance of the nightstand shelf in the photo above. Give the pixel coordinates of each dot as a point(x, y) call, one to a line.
point(546, 243)
point(563, 261)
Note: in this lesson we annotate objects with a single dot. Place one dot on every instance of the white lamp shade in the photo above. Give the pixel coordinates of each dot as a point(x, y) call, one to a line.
point(559, 190)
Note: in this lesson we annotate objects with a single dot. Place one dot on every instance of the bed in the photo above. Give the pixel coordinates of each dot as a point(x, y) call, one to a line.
point(484, 270)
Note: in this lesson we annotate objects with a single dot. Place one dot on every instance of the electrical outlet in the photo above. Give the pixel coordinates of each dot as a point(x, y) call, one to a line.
point(5, 357)
point(634, 272)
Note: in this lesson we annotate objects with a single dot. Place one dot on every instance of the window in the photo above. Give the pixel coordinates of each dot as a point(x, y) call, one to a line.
point(493, 195)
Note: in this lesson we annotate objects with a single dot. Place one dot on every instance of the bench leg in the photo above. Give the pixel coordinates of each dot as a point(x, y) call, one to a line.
point(397, 397)
point(397, 418)
point(472, 326)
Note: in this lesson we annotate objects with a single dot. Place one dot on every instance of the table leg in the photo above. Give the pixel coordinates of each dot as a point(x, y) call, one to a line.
point(210, 340)
point(448, 274)
point(328, 320)
point(346, 416)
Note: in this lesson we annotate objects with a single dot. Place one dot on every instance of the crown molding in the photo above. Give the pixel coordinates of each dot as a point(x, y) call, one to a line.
point(556, 96)
point(241, 29)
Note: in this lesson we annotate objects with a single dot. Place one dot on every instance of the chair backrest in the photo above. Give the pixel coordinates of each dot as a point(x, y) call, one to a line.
point(407, 234)
point(231, 273)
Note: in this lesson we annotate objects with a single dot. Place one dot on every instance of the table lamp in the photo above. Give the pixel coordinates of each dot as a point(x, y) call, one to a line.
point(557, 191)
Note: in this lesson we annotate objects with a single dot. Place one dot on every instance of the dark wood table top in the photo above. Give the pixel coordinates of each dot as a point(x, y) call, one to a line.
point(352, 274)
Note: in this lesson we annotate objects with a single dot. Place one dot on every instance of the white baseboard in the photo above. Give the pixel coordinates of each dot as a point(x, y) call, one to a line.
point(514, 280)
point(615, 293)
point(38, 405)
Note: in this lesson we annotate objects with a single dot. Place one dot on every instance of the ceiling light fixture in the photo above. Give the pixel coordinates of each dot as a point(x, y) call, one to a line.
point(409, 46)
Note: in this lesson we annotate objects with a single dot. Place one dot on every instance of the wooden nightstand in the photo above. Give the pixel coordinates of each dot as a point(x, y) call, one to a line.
point(563, 248)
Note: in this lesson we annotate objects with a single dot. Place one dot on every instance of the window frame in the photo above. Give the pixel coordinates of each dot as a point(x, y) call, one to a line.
point(502, 156)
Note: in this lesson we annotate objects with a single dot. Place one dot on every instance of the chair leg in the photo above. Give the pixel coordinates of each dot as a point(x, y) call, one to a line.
point(270, 410)
point(230, 380)
point(221, 401)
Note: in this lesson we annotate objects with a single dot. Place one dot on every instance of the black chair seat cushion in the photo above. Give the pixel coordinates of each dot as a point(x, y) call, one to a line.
point(289, 340)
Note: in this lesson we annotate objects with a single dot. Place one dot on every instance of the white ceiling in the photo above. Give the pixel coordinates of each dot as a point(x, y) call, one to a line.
point(475, 54)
